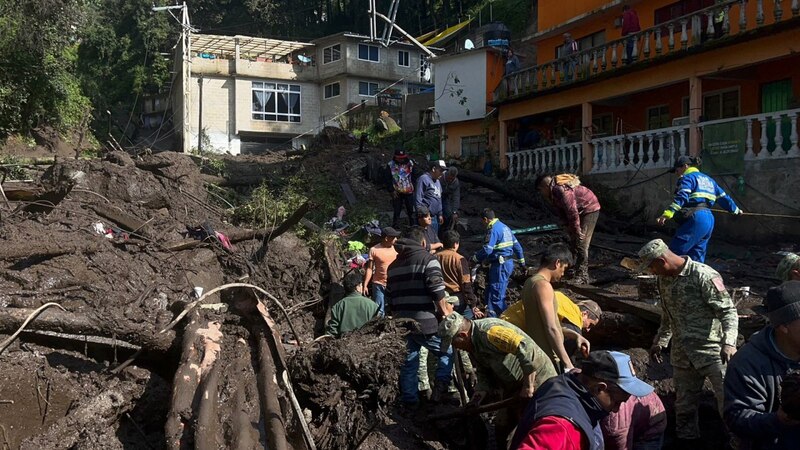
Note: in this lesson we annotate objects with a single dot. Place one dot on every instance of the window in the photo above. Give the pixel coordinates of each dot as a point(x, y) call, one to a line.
point(367, 89)
point(403, 58)
point(473, 146)
point(331, 54)
point(658, 117)
point(332, 90)
point(721, 105)
point(603, 124)
point(368, 53)
point(276, 102)
point(585, 43)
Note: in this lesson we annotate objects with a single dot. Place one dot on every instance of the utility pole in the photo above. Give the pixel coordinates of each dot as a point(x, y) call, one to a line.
point(200, 117)
point(186, 66)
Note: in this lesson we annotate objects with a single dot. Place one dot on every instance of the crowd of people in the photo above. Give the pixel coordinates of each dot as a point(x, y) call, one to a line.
point(568, 396)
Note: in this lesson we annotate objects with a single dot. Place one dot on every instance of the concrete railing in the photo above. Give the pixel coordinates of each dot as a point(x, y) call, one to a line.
point(698, 29)
point(766, 134)
point(527, 164)
point(646, 149)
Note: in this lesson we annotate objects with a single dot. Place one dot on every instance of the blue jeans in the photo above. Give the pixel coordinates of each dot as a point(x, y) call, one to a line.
point(435, 223)
point(409, 388)
point(496, 289)
point(378, 294)
point(692, 236)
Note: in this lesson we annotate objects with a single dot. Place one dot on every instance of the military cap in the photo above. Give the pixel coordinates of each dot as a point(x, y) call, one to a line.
point(789, 262)
point(449, 328)
point(649, 252)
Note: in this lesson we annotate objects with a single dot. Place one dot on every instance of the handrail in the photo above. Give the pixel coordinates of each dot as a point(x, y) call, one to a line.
point(786, 112)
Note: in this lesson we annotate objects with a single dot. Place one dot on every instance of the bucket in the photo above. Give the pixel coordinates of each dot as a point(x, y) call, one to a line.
point(648, 289)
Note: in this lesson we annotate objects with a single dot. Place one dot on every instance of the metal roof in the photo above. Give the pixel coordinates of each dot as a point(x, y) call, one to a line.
point(248, 45)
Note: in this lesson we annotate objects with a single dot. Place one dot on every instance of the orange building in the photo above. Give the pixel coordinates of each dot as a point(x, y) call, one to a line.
point(719, 78)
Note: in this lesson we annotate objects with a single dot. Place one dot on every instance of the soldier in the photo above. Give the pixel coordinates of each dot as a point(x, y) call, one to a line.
point(699, 316)
point(508, 362)
point(789, 268)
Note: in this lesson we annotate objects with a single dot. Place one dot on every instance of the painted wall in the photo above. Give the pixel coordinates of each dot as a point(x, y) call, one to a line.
point(771, 188)
point(469, 69)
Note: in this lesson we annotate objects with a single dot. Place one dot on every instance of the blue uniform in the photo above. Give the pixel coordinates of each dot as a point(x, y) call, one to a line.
point(499, 247)
point(694, 194)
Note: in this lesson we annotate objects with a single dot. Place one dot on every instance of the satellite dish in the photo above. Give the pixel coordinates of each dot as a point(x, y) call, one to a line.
point(468, 45)
point(427, 74)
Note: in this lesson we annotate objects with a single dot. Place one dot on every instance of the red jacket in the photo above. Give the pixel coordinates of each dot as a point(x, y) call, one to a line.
point(572, 203)
point(630, 22)
point(554, 433)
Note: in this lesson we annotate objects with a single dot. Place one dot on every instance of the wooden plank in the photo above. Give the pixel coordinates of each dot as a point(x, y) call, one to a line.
point(348, 194)
point(615, 302)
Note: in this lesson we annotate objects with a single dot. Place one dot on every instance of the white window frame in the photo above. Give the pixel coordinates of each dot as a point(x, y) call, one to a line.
point(277, 89)
point(325, 90)
point(368, 59)
point(479, 139)
point(719, 92)
point(369, 85)
point(400, 54)
point(331, 48)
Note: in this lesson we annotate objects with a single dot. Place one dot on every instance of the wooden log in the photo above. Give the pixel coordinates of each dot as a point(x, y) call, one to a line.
point(268, 392)
point(73, 323)
point(50, 250)
point(178, 426)
point(207, 433)
point(101, 412)
point(244, 432)
point(285, 226)
point(124, 220)
point(499, 186)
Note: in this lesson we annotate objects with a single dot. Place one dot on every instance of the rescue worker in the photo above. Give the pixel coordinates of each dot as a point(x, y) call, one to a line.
point(695, 193)
point(789, 268)
point(506, 359)
point(498, 248)
point(579, 209)
point(354, 310)
point(700, 319)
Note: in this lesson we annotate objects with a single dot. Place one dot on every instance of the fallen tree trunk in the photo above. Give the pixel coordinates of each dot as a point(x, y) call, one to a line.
point(282, 228)
point(50, 250)
point(498, 186)
point(177, 428)
point(268, 393)
point(101, 412)
point(124, 220)
point(207, 432)
point(245, 435)
point(72, 323)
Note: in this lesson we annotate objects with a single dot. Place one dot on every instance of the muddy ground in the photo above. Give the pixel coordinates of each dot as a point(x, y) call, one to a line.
point(56, 384)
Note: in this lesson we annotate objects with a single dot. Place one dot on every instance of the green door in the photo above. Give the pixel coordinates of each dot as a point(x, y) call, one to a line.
point(776, 96)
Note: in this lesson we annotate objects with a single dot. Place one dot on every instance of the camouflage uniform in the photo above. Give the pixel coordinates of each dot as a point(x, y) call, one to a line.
point(699, 316)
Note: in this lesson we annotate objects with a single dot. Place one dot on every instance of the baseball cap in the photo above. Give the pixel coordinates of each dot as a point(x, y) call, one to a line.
point(783, 303)
point(680, 162)
point(423, 211)
point(449, 328)
point(389, 231)
point(615, 367)
point(440, 163)
point(789, 262)
point(592, 307)
point(649, 252)
point(400, 153)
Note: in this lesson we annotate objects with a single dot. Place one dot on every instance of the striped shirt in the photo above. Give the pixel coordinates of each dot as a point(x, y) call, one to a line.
point(414, 283)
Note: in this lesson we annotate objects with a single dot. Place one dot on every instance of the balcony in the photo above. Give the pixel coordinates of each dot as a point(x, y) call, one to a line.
point(258, 68)
point(768, 136)
point(724, 23)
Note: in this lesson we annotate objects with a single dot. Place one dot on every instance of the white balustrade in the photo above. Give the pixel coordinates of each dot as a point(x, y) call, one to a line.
point(769, 127)
point(559, 158)
point(645, 150)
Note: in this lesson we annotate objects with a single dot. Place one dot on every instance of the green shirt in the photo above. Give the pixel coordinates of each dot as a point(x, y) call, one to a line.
point(503, 353)
point(697, 315)
point(350, 313)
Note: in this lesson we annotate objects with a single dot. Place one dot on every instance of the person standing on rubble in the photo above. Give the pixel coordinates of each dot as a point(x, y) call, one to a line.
point(354, 310)
point(425, 223)
point(700, 319)
point(415, 289)
point(789, 268)
point(695, 194)
point(457, 278)
point(566, 411)
point(401, 168)
point(380, 257)
point(579, 209)
point(429, 193)
point(540, 305)
point(451, 199)
point(753, 408)
point(507, 361)
point(499, 246)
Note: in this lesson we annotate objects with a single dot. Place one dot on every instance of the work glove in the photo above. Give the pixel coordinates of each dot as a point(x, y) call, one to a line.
point(522, 262)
